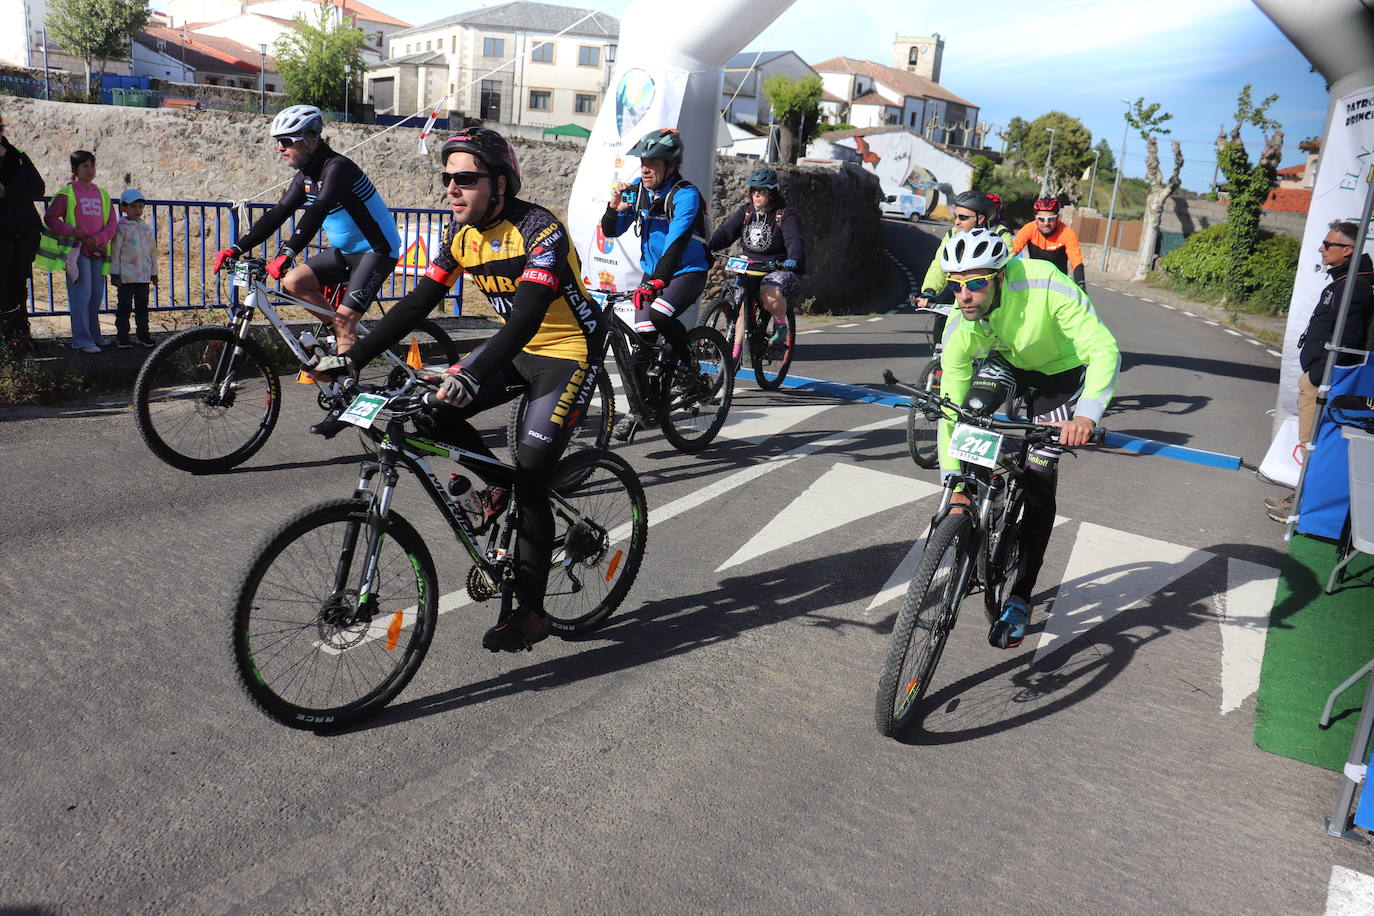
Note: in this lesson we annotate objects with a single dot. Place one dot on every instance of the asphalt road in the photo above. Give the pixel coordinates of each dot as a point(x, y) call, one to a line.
point(713, 749)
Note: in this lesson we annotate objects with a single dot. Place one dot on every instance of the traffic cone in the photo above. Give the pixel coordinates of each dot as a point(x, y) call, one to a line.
point(303, 379)
point(413, 359)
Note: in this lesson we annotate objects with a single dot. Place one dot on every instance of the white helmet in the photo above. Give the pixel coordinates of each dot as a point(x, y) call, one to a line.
point(974, 250)
point(298, 121)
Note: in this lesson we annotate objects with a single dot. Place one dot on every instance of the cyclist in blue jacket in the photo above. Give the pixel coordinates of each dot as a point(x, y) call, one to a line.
point(669, 215)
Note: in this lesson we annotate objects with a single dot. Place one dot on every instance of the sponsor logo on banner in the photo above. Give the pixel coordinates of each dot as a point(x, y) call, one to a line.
point(602, 243)
point(606, 281)
point(633, 97)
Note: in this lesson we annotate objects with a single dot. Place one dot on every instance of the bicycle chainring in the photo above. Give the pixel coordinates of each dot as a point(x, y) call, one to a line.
point(480, 585)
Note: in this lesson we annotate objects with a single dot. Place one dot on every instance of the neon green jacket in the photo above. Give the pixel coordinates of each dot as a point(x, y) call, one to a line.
point(935, 277)
point(1044, 323)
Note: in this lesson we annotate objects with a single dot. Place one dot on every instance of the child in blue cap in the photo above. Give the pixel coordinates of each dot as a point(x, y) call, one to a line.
point(133, 266)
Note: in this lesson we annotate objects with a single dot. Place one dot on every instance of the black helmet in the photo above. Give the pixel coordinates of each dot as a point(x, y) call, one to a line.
point(976, 201)
point(663, 144)
point(491, 148)
point(764, 178)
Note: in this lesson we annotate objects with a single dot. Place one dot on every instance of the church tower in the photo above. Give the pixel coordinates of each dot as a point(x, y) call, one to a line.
point(919, 55)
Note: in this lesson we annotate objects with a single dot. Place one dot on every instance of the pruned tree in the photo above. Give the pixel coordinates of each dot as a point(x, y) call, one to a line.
point(796, 107)
point(96, 30)
point(315, 58)
point(1148, 120)
point(1247, 184)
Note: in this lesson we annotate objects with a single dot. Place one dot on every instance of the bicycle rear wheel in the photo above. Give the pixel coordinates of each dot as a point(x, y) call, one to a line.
point(696, 410)
point(602, 527)
point(927, 616)
point(314, 646)
point(771, 361)
point(922, 435)
point(426, 344)
point(206, 401)
point(1003, 564)
point(593, 427)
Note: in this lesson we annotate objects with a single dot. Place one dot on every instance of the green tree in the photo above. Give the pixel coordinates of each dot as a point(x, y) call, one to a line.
point(96, 29)
point(1072, 151)
point(1106, 159)
point(1248, 184)
point(315, 58)
point(1013, 138)
point(796, 107)
point(1148, 120)
point(983, 170)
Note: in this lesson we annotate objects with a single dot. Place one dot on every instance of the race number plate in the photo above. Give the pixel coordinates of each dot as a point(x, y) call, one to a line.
point(737, 265)
point(975, 445)
point(363, 410)
point(243, 276)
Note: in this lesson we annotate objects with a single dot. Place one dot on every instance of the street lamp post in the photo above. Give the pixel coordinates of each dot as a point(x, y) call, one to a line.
point(1111, 210)
point(1049, 158)
point(262, 79)
point(348, 72)
point(1097, 154)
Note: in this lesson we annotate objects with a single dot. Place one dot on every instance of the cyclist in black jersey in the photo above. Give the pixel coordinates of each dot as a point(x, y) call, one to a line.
point(342, 200)
point(552, 344)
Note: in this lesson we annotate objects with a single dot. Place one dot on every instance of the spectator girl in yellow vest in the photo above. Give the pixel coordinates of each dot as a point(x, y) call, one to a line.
point(78, 228)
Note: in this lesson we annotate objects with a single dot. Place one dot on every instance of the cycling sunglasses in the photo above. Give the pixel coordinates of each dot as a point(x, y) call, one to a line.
point(1046, 219)
point(972, 284)
point(287, 142)
point(462, 179)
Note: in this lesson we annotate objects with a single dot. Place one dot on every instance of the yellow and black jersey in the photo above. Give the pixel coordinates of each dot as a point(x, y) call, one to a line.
point(527, 245)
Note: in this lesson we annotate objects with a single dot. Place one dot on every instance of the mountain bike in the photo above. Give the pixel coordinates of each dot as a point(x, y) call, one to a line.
point(920, 431)
point(207, 398)
point(965, 550)
point(593, 426)
point(689, 407)
point(740, 317)
point(337, 607)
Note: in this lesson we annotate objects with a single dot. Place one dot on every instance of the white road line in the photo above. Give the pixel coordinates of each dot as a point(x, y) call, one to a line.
point(879, 318)
point(1215, 324)
point(1167, 306)
point(759, 423)
point(1143, 299)
point(1253, 341)
point(852, 324)
point(812, 332)
point(1243, 611)
point(1233, 332)
point(843, 494)
point(1274, 353)
point(1349, 893)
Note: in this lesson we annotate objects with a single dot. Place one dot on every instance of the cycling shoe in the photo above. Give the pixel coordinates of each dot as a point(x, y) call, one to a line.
point(1009, 629)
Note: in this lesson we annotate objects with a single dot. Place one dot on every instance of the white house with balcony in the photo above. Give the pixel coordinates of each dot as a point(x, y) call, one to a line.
point(503, 64)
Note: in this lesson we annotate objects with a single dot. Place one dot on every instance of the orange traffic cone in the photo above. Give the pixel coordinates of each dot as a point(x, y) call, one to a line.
point(303, 379)
point(413, 359)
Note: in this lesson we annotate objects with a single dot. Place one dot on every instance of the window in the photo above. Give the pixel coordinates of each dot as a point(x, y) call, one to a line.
point(542, 52)
point(493, 47)
point(491, 100)
point(585, 104)
point(912, 55)
point(429, 46)
point(453, 45)
point(912, 120)
point(539, 99)
point(383, 93)
point(588, 56)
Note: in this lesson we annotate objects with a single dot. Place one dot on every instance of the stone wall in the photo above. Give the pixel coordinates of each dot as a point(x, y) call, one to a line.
point(216, 155)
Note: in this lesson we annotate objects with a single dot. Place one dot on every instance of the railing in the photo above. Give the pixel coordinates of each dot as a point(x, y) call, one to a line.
point(187, 233)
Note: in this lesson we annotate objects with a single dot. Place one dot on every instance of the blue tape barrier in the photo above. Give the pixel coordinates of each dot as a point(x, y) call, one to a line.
point(1122, 441)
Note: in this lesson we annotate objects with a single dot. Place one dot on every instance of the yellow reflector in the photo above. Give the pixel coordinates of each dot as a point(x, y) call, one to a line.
point(413, 359)
point(393, 632)
point(615, 564)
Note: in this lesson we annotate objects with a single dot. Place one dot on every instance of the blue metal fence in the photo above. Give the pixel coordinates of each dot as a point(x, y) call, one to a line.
point(187, 233)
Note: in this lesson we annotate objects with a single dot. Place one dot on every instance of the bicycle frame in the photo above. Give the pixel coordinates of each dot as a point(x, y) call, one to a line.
point(623, 338)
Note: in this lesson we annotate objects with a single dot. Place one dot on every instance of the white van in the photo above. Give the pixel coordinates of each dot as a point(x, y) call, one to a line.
point(902, 203)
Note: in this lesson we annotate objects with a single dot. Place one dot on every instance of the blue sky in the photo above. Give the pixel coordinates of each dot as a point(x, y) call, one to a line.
point(1076, 56)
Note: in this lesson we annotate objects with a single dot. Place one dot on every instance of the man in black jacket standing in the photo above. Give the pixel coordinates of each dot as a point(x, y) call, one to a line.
point(20, 227)
point(1338, 254)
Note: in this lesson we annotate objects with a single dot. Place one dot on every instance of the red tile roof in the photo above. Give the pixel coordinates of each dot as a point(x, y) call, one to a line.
point(873, 98)
point(1292, 171)
point(901, 80)
point(1293, 200)
point(360, 10)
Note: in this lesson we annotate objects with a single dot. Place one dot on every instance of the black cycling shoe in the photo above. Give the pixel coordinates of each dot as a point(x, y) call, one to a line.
point(330, 426)
point(518, 633)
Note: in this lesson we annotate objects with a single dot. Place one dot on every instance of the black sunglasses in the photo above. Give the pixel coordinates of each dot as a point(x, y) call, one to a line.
point(287, 142)
point(462, 179)
point(1336, 245)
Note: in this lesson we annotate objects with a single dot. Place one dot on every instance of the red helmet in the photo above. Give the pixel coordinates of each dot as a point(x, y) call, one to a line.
point(996, 201)
point(491, 148)
point(1047, 204)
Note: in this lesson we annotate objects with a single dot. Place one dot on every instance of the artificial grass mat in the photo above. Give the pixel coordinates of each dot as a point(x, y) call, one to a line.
point(1315, 641)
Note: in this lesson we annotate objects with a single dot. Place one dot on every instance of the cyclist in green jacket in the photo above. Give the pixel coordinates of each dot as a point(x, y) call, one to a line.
point(1023, 327)
point(972, 210)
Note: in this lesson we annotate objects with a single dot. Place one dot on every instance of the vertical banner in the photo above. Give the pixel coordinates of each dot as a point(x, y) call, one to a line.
point(664, 76)
point(1347, 154)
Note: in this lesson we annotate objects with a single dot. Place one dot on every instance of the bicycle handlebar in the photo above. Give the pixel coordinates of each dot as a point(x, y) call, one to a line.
point(1035, 432)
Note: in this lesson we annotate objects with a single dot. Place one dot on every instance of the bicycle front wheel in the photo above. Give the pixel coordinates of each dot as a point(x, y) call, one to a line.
point(922, 435)
point(425, 346)
point(772, 360)
point(696, 408)
point(927, 616)
point(206, 401)
point(719, 316)
point(602, 528)
point(593, 426)
point(319, 644)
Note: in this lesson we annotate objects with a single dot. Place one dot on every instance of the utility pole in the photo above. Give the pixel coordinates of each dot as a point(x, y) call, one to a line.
point(262, 79)
point(1049, 158)
point(1097, 154)
point(1111, 211)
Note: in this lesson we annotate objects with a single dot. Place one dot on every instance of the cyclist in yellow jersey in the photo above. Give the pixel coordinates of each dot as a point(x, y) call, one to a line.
point(1023, 327)
point(551, 345)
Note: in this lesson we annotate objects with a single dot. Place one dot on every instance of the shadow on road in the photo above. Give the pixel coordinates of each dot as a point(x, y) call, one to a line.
point(1203, 367)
